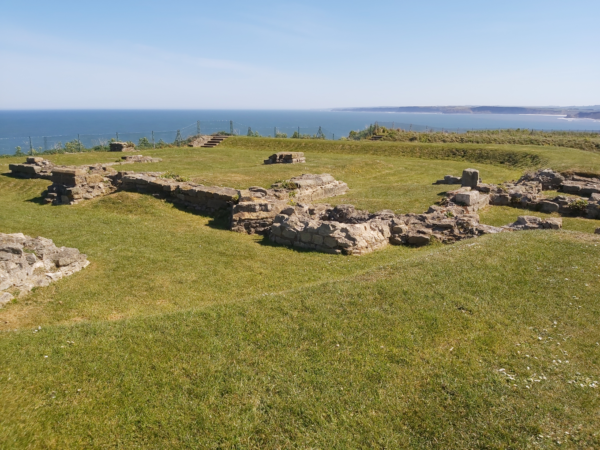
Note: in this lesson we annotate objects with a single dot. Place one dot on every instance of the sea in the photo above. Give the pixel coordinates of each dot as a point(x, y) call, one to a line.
point(48, 129)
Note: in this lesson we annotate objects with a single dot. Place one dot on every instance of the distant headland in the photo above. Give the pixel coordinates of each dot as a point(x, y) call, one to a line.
point(576, 112)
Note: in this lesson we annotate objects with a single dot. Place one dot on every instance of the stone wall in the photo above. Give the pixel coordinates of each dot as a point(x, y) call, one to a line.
point(527, 193)
point(209, 199)
point(27, 262)
point(71, 186)
point(258, 207)
point(286, 158)
point(34, 167)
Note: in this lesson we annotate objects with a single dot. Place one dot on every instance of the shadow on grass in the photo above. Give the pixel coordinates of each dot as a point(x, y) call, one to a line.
point(218, 221)
point(41, 200)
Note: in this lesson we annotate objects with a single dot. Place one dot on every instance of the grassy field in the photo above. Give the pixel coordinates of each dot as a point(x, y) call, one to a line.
point(181, 334)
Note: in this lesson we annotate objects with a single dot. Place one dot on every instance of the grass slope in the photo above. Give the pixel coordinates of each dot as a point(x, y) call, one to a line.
point(188, 335)
point(408, 354)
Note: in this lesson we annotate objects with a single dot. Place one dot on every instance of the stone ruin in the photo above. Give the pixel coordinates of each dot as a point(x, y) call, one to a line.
point(527, 193)
point(121, 147)
point(34, 167)
point(257, 207)
point(207, 199)
point(27, 262)
point(286, 158)
point(286, 212)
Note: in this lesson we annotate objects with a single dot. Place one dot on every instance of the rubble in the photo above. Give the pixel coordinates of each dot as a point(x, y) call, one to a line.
point(548, 178)
point(344, 230)
point(27, 262)
point(286, 158)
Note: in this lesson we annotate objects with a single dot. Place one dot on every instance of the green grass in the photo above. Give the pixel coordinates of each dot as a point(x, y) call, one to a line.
point(188, 335)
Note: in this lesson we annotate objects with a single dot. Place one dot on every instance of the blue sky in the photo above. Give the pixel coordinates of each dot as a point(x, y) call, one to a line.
point(297, 55)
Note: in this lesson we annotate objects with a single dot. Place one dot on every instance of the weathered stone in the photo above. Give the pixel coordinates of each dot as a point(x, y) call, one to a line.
point(535, 223)
point(549, 179)
point(470, 178)
point(122, 147)
point(548, 206)
point(469, 198)
point(597, 231)
point(27, 262)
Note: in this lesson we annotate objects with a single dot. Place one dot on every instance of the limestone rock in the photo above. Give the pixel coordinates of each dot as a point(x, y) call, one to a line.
point(535, 223)
point(27, 262)
point(470, 178)
point(549, 179)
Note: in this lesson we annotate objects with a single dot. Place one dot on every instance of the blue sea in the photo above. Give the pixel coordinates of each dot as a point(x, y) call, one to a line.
point(50, 129)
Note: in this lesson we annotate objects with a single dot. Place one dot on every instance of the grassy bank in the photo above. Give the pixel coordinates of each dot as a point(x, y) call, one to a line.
point(488, 344)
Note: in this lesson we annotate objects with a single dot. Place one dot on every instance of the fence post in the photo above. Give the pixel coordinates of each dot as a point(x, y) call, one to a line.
point(78, 143)
point(30, 147)
point(198, 127)
point(231, 127)
point(333, 138)
point(153, 144)
point(298, 132)
point(274, 131)
point(117, 136)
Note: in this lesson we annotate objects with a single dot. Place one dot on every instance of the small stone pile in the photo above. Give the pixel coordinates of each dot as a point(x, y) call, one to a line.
point(209, 199)
point(27, 262)
point(548, 178)
point(286, 158)
point(534, 223)
point(122, 147)
point(198, 141)
point(257, 207)
point(72, 185)
point(34, 167)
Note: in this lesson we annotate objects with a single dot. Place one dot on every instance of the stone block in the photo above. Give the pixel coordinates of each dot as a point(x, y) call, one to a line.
point(305, 236)
point(418, 239)
point(597, 231)
point(470, 198)
point(548, 206)
point(330, 242)
point(470, 178)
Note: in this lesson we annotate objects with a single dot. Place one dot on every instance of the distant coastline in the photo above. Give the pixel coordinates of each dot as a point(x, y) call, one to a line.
point(570, 112)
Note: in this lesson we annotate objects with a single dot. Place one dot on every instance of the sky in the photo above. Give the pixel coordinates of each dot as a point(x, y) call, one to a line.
point(181, 54)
